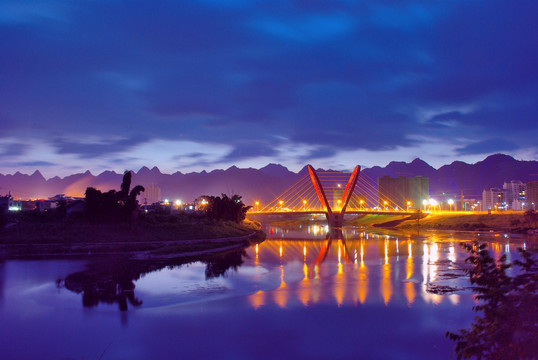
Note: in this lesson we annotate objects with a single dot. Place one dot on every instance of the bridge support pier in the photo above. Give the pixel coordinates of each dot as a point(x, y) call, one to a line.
point(335, 220)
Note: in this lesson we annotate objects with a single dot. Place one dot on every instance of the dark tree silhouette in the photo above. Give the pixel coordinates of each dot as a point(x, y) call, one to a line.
point(226, 209)
point(112, 280)
point(218, 265)
point(114, 205)
point(532, 217)
point(506, 327)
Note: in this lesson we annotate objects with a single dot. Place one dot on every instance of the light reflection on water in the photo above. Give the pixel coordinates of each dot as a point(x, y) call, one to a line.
point(358, 267)
point(285, 298)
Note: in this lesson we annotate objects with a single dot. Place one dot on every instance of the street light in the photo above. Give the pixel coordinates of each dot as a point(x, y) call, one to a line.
point(450, 203)
point(408, 205)
point(281, 202)
point(433, 203)
point(385, 202)
point(257, 203)
point(424, 202)
point(360, 204)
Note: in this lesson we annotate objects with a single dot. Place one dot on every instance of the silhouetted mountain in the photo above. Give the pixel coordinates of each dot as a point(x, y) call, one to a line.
point(399, 168)
point(270, 181)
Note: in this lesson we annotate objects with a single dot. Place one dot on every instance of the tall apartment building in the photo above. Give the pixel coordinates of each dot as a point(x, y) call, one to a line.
point(151, 195)
point(398, 191)
point(492, 199)
point(532, 195)
point(514, 194)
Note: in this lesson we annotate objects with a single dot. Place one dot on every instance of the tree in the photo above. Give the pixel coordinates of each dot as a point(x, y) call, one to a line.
point(532, 217)
point(506, 327)
point(113, 205)
point(226, 209)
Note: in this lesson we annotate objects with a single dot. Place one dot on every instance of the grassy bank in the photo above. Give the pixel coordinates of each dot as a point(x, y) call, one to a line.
point(34, 234)
point(515, 222)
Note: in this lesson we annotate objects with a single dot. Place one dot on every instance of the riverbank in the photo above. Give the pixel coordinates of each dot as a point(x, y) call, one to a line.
point(511, 222)
point(156, 236)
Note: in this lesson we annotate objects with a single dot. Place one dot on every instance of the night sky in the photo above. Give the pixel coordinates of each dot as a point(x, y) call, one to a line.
point(192, 85)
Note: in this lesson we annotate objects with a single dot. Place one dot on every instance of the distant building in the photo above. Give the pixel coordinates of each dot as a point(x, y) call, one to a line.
point(532, 195)
point(493, 199)
point(151, 195)
point(471, 204)
point(4, 203)
point(401, 190)
point(514, 194)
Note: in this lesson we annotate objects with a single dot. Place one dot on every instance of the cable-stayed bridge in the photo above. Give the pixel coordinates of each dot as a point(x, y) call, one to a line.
point(334, 194)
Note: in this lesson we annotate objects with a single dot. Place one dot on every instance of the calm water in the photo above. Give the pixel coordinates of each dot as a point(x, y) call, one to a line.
point(301, 294)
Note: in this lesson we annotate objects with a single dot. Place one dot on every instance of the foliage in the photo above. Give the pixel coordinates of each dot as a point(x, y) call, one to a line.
point(226, 208)
point(113, 205)
point(506, 327)
point(532, 217)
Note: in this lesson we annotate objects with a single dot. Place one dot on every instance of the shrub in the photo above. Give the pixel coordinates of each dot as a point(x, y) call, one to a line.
point(506, 326)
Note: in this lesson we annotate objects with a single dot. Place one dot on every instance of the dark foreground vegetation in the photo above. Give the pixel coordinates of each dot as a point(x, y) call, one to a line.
point(113, 222)
point(506, 326)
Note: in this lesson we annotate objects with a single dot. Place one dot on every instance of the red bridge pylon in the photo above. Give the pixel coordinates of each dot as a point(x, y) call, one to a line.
point(335, 219)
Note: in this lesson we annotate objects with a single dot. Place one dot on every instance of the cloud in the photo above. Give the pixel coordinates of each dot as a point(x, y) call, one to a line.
point(97, 148)
point(487, 147)
point(307, 28)
point(13, 149)
point(246, 150)
point(37, 163)
point(329, 77)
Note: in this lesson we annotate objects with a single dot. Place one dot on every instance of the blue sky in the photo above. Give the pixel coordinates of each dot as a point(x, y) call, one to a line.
point(192, 85)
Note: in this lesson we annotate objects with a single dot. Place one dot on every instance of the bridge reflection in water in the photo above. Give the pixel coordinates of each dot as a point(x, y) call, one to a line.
point(356, 267)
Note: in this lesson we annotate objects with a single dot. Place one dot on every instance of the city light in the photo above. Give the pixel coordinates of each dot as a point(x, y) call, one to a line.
point(178, 202)
point(450, 203)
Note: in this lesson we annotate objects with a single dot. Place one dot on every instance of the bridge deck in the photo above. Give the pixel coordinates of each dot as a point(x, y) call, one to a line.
point(321, 212)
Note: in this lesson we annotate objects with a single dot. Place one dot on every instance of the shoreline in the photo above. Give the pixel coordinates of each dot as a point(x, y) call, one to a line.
point(515, 223)
point(137, 250)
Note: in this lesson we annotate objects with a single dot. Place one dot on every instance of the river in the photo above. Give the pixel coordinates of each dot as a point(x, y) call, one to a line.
point(304, 293)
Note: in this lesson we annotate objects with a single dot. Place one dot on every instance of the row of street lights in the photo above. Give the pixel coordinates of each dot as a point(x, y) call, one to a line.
point(431, 203)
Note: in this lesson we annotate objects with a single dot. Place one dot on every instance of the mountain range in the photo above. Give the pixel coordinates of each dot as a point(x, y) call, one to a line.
point(268, 182)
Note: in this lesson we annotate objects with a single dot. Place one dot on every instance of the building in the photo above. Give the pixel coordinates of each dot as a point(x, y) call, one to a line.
point(471, 204)
point(403, 192)
point(532, 195)
point(151, 195)
point(493, 199)
point(514, 194)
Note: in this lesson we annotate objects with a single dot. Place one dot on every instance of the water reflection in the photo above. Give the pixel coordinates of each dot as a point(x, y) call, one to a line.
point(112, 280)
point(295, 267)
point(355, 267)
point(2, 280)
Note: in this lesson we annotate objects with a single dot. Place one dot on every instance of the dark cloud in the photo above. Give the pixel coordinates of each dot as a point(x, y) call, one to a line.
point(250, 149)
point(488, 146)
point(335, 75)
point(36, 163)
point(320, 153)
point(93, 150)
point(13, 150)
point(195, 155)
